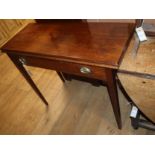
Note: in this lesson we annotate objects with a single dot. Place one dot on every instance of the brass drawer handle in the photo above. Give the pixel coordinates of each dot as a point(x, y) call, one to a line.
point(85, 70)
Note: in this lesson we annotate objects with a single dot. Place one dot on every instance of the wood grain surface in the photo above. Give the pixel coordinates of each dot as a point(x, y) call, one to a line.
point(66, 46)
point(139, 76)
point(101, 43)
point(87, 112)
point(9, 27)
point(141, 62)
point(142, 92)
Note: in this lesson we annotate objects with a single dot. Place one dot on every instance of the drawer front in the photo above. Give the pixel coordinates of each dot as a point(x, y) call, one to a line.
point(66, 67)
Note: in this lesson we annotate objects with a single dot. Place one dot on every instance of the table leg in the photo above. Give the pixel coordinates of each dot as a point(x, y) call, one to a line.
point(23, 71)
point(112, 89)
point(61, 76)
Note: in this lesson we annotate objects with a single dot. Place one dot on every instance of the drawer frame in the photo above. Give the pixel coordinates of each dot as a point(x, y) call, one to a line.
point(63, 66)
point(102, 73)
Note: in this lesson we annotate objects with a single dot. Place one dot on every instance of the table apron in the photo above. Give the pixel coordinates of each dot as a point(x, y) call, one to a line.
point(66, 67)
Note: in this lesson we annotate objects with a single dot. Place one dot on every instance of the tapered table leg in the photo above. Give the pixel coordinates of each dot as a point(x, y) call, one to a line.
point(112, 89)
point(23, 71)
point(61, 76)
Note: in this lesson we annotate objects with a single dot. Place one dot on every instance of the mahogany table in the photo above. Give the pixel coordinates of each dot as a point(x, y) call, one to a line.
point(92, 50)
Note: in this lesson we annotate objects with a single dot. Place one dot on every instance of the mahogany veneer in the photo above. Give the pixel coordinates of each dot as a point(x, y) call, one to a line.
point(92, 50)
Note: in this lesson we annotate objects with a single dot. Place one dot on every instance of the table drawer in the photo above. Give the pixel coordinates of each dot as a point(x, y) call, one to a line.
point(66, 67)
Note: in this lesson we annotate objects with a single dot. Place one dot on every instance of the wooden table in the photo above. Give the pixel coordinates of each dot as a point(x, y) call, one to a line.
point(137, 75)
point(92, 50)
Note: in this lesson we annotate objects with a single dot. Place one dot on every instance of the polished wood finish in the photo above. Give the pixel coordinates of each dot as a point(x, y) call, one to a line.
point(23, 71)
point(74, 107)
point(112, 89)
point(67, 67)
point(68, 47)
point(10, 27)
point(95, 43)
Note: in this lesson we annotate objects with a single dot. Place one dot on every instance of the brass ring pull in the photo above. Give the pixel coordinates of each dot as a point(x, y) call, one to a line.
point(85, 70)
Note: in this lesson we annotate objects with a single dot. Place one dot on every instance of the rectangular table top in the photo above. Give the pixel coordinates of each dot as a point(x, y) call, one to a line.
point(99, 43)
